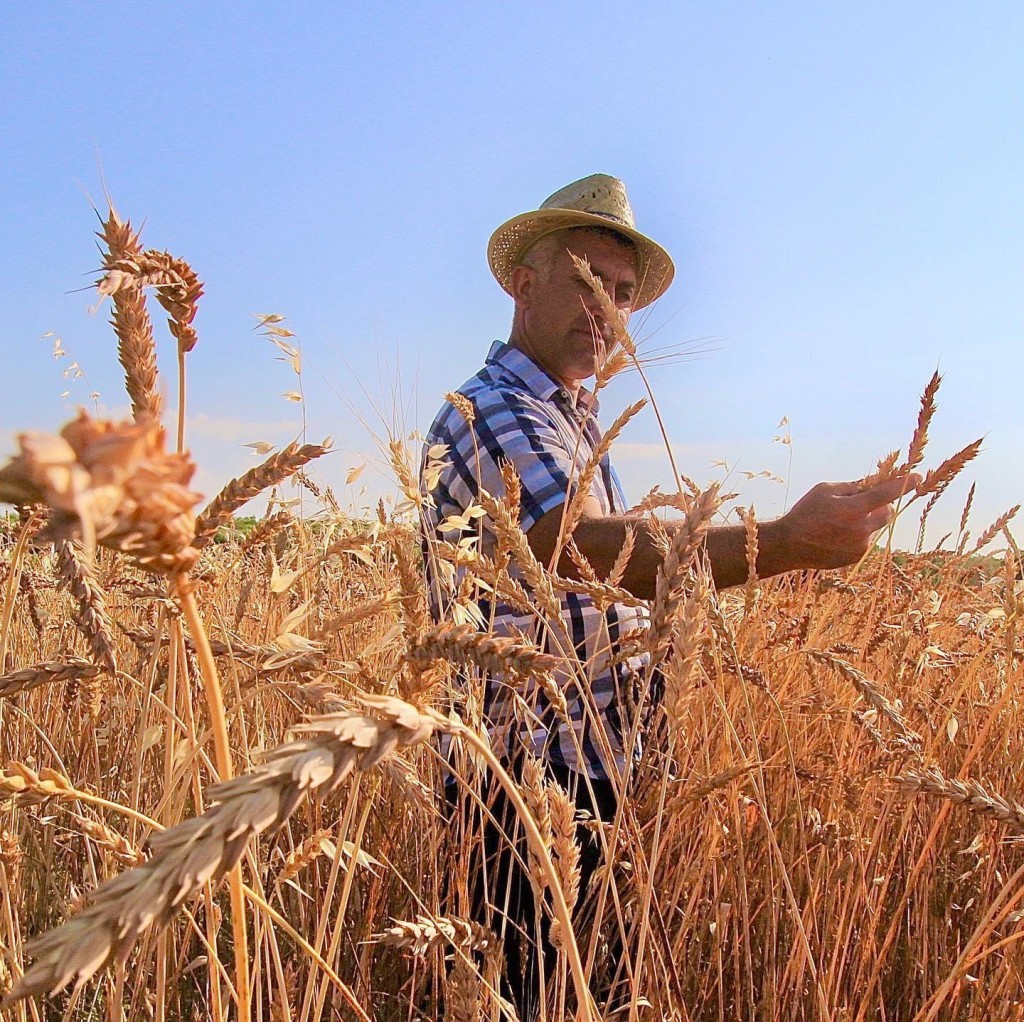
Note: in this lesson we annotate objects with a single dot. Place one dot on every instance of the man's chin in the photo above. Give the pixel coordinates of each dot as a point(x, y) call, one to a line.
point(585, 371)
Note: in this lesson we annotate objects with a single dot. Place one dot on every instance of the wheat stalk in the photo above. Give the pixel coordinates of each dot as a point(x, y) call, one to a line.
point(204, 849)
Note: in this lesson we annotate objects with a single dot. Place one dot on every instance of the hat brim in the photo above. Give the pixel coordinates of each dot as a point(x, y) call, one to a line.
point(510, 242)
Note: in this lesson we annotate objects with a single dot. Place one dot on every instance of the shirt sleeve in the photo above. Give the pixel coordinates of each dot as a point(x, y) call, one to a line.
point(517, 428)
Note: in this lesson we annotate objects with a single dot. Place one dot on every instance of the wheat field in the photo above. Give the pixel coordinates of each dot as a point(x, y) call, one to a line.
point(220, 748)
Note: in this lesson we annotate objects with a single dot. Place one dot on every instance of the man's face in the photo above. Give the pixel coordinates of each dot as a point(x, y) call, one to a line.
point(561, 323)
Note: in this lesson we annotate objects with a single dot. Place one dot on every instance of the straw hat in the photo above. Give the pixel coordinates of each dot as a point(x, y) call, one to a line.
point(595, 201)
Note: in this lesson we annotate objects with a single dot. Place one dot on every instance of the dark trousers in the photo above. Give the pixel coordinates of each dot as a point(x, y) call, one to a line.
point(502, 895)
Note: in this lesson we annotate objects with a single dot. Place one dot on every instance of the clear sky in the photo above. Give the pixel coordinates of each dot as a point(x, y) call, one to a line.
point(841, 186)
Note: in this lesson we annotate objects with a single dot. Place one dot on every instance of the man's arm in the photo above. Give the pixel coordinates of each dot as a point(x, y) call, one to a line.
point(830, 526)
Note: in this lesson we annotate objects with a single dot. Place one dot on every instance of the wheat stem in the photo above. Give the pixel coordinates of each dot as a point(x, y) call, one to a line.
point(181, 400)
point(279, 920)
point(13, 583)
point(222, 750)
point(585, 1007)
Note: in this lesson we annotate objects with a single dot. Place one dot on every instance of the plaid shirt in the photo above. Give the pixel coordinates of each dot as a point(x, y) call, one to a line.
point(525, 417)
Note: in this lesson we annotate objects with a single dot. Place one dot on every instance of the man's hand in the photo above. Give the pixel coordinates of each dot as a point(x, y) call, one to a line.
point(834, 524)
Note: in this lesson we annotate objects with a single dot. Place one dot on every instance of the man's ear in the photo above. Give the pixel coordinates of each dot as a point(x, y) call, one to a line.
point(521, 281)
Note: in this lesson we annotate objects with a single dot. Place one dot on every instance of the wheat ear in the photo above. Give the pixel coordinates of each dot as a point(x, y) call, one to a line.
point(971, 794)
point(670, 585)
point(463, 644)
point(870, 691)
point(574, 512)
point(995, 528)
point(90, 615)
point(939, 478)
point(622, 349)
point(240, 491)
point(424, 934)
point(512, 538)
point(566, 848)
point(915, 453)
point(27, 678)
point(751, 537)
point(135, 345)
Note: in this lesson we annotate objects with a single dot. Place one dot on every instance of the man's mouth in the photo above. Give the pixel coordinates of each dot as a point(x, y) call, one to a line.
point(604, 336)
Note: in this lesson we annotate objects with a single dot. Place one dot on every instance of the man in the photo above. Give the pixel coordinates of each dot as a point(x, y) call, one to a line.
point(528, 406)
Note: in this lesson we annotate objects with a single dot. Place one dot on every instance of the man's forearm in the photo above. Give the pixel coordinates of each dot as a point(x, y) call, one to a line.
point(601, 538)
point(726, 548)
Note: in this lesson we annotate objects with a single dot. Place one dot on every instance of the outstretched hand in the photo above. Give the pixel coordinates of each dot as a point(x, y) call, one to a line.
point(833, 524)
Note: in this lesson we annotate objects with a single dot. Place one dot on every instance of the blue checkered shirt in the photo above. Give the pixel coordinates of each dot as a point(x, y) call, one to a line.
point(525, 417)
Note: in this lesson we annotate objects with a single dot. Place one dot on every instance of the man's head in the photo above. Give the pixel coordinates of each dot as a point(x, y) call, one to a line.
point(597, 201)
point(558, 321)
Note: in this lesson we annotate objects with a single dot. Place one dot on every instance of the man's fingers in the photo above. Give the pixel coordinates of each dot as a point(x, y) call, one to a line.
point(879, 519)
point(841, 489)
point(885, 492)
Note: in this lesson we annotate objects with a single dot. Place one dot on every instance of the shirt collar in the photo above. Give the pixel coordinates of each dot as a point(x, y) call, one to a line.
point(536, 379)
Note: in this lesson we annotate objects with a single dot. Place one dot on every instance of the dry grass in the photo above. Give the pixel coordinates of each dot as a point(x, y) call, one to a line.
point(823, 826)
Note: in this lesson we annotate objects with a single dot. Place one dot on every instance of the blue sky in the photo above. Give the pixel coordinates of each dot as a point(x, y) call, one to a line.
point(840, 186)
